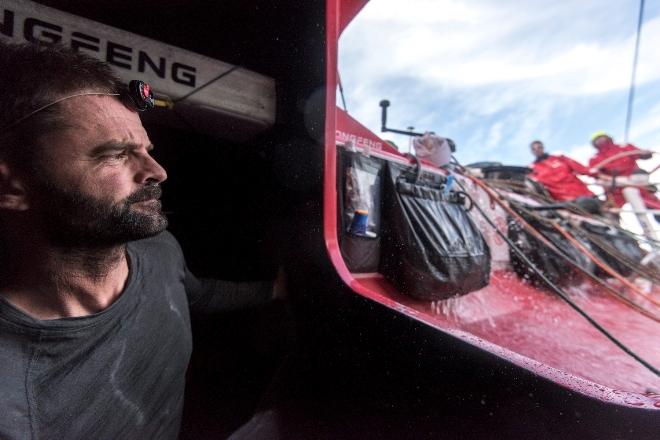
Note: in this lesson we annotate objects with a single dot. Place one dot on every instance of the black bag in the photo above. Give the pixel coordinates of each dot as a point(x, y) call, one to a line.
point(359, 185)
point(432, 249)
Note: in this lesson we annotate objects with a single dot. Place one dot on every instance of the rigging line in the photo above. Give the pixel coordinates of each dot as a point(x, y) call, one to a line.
point(500, 184)
point(498, 198)
point(603, 265)
point(653, 243)
point(593, 237)
point(563, 295)
point(637, 237)
point(631, 93)
point(614, 253)
point(640, 152)
point(203, 86)
point(618, 295)
point(341, 91)
point(542, 199)
point(592, 257)
point(577, 245)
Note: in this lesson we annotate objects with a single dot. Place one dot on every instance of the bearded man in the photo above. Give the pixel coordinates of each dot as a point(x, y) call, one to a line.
point(94, 293)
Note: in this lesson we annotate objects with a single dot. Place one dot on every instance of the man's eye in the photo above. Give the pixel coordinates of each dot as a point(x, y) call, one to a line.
point(115, 156)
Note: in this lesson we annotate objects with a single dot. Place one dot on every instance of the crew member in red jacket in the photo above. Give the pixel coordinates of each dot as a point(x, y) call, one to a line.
point(605, 162)
point(558, 174)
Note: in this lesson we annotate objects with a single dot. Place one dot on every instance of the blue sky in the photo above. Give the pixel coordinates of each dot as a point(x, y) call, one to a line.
point(494, 75)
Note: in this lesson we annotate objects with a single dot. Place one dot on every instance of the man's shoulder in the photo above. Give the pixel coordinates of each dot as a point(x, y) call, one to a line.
point(540, 160)
point(161, 243)
point(566, 159)
point(597, 155)
point(548, 159)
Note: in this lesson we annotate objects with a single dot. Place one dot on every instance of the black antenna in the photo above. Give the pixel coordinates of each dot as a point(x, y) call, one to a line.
point(383, 120)
point(383, 114)
point(631, 93)
point(383, 126)
point(341, 91)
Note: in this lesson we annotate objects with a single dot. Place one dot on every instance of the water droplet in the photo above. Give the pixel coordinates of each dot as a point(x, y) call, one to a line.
point(634, 401)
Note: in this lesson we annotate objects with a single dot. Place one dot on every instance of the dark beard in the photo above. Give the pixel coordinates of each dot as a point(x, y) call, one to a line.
point(77, 220)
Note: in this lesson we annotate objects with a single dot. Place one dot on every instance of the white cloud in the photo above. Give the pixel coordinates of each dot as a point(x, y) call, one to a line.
point(450, 44)
point(581, 153)
point(495, 75)
point(647, 124)
point(424, 12)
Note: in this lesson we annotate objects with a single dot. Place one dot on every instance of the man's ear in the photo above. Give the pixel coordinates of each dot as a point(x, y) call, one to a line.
point(12, 189)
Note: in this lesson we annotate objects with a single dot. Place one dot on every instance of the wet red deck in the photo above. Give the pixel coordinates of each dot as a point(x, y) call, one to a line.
point(537, 330)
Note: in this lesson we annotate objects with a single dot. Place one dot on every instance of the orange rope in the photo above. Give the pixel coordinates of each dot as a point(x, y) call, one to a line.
point(602, 264)
point(609, 288)
point(513, 213)
point(548, 243)
point(604, 162)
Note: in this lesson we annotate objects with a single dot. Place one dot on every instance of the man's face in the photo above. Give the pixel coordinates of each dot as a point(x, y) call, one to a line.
point(95, 182)
point(537, 149)
point(602, 141)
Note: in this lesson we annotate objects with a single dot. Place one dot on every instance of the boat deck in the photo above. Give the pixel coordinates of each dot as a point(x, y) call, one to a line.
point(534, 328)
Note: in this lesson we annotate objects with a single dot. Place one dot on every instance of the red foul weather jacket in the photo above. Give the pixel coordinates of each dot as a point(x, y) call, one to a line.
point(623, 166)
point(558, 175)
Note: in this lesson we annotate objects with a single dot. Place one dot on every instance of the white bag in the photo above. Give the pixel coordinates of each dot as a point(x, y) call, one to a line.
point(432, 148)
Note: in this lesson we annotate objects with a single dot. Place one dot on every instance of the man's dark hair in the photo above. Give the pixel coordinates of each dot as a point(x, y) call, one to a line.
point(32, 76)
point(535, 142)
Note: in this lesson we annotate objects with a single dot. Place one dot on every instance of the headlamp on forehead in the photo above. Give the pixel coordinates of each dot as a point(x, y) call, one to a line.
point(139, 92)
point(137, 96)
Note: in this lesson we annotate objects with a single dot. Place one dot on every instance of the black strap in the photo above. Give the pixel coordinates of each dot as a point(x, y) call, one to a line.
point(418, 166)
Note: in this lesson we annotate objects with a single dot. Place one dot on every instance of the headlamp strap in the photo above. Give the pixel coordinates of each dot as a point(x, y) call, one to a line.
point(138, 95)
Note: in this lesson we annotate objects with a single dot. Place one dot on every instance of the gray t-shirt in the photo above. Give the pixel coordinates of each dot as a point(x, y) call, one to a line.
point(119, 373)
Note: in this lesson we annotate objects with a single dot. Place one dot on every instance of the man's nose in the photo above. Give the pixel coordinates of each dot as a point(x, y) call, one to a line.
point(150, 171)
